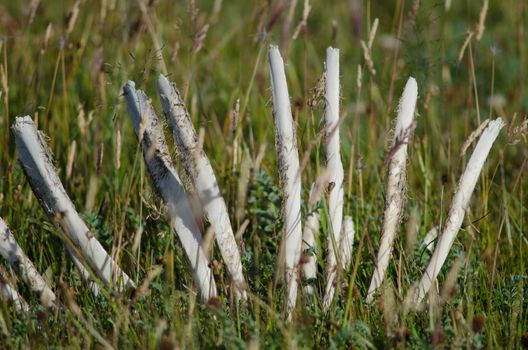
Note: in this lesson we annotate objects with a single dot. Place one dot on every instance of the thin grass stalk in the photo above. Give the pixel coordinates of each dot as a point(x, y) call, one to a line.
point(168, 185)
point(395, 192)
point(289, 175)
point(459, 204)
point(36, 161)
point(203, 178)
point(23, 266)
point(335, 167)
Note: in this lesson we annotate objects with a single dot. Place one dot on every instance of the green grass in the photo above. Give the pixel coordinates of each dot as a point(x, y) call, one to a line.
point(81, 72)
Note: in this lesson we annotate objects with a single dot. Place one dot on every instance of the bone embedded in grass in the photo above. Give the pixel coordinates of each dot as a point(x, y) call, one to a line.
point(309, 246)
point(396, 178)
point(23, 266)
point(203, 178)
point(459, 204)
point(168, 185)
point(36, 161)
point(9, 293)
point(289, 174)
point(85, 273)
point(347, 242)
point(430, 238)
point(311, 231)
point(335, 167)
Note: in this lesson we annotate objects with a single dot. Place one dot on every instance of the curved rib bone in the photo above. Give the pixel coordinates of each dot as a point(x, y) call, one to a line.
point(289, 173)
point(36, 161)
point(460, 202)
point(335, 167)
point(199, 169)
point(167, 183)
point(396, 178)
point(16, 257)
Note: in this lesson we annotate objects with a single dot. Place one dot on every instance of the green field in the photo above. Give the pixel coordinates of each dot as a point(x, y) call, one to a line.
point(64, 63)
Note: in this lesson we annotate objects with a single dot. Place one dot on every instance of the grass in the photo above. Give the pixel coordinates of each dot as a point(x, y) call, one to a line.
point(71, 79)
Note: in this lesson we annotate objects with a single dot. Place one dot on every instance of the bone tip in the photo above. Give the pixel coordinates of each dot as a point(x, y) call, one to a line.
point(411, 85)
point(129, 87)
point(163, 82)
point(497, 123)
point(332, 50)
point(274, 53)
point(21, 121)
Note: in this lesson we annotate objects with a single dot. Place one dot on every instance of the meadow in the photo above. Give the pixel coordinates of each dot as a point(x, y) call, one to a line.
point(65, 63)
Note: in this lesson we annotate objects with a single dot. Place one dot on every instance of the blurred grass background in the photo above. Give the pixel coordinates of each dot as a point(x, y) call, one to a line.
point(65, 62)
